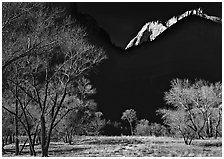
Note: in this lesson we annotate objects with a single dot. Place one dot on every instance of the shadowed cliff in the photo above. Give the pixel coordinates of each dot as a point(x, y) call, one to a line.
point(138, 77)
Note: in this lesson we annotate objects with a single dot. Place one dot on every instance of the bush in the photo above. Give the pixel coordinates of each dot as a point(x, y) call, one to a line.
point(96, 125)
point(142, 128)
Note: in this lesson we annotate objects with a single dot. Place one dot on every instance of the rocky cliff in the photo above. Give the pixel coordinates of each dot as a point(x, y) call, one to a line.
point(153, 29)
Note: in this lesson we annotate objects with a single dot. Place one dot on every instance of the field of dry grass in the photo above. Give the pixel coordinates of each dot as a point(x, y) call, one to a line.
point(130, 146)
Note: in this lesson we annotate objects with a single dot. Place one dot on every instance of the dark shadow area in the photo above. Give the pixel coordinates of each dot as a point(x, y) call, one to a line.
point(212, 144)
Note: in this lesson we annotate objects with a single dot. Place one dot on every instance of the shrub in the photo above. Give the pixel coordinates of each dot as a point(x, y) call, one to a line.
point(142, 128)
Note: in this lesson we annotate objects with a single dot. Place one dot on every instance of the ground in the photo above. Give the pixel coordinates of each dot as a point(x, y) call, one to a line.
point(129, 146)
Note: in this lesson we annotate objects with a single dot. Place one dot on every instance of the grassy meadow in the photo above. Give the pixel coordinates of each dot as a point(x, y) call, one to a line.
point(128, 146)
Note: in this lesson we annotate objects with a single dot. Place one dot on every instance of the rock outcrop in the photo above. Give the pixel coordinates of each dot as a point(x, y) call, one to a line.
point(153, 29)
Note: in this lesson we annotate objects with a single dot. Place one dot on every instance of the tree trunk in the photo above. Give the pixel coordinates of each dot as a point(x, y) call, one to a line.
point(64, 138)
point(32, 150)
point(208, 130)
point(10, 139)
point(69, 141)
point(70, 138)
point(48, 139)
point(24, 144)
point(131, 128)
point(13, 138)
point(216, 131)
point(3, 144)
point(39, 138)
point(211, 128)
point(217, 126)
point(187, 140)
point(43, 137)
point(200, 136)
point(6, 140)
point(16, 131)
point(45, 152)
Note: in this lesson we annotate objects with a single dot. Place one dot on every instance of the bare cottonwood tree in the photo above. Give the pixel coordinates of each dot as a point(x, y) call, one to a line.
point(193, 108)
point(50, 52)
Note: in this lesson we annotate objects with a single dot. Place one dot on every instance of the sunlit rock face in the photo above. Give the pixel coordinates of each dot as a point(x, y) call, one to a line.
point(153, 29)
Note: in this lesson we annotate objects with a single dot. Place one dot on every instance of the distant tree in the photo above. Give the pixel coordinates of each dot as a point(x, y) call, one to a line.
point(130, 116)
point(142, 128)
point(82, 119)
point(193, 108)
point(17, 104)
point(216, 120)
point(47, 53)
point(74, 117)
point(7, 127)
point(97, 124)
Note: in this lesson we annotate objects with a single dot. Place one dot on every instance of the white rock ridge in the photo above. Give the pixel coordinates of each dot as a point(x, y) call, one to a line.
point(153, 29)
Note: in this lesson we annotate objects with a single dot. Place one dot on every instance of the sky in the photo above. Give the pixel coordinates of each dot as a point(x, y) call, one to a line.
point(123, 20)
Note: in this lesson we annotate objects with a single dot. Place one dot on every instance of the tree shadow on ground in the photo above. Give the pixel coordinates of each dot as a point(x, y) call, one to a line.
point(112, 142)
point(62, 151)
point(54, 149)
point(214, 144)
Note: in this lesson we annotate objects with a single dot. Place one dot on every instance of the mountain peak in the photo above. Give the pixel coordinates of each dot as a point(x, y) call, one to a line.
point(153, 29)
